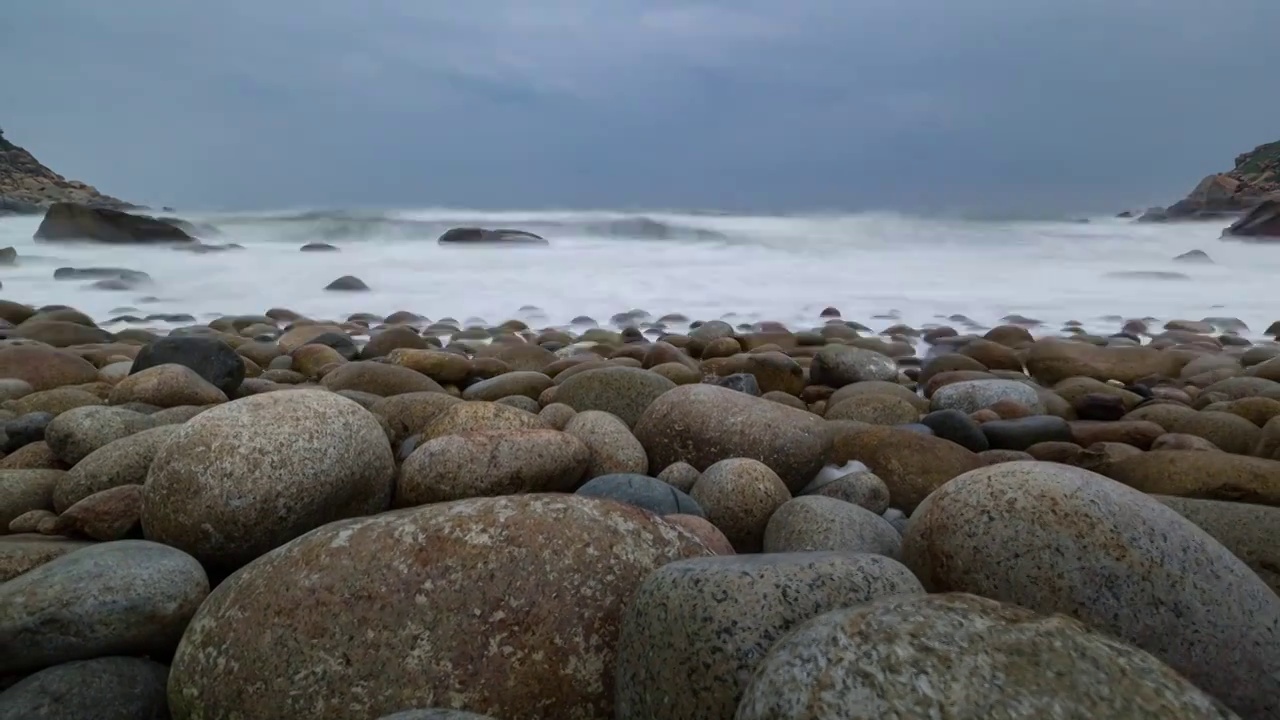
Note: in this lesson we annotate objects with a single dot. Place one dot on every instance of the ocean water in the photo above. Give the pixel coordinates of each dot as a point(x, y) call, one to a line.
point(877, 268)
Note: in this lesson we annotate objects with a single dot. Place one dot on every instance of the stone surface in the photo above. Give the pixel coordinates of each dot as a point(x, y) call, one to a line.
point(24, 490)
point(212, 359)
point(739, 495)
point(962, 657)
point(814, 523)
point(475, 416)
point(703, 424)
point(697, 629)
point(396, 597)
point(166, 386)
point(242, 478)
point(1022, 433)
point(1200, 474)
point(112, 514)
point(911, 465)
point(120, 462)
point(623, 391)
point(958, 427)
point(489, 463)
point(381, 379)
point(642, 491)
point(109, 688)
point(79, 432)
point(131, 597)
point(973, 395)
point(45, 368)
point(860, 487)
point(1247, 530)
point(22, 552)
point(839, 365)
point(613, 448)
point(1054, 538)
point(875, 409)
point(528, 383)
point(680, 475)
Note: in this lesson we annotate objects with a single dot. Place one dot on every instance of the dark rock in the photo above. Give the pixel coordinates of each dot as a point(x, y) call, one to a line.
point(642, 491)
point(210, 358)
point(1100, 406)
point(71, 221)
point(1022, 433)
point(100, 273)
point(957, 427)
point(481, 236)
point(347, 283)
point(110, 688)
point(742, 382)
point(1262, 222)
point(26, 429)
point(341, 342)
point(1194, 256)
point(8, 256)
point(318, 247)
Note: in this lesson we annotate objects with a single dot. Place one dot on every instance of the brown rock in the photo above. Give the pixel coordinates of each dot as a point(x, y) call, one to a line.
point(43, 367)
point(739, 495)
point(1055, 451)
point(912, 465)
point(949, 362)
point(35, 456)
point(877, 387)
point(554, 658)
point(465, 417)
point(1199, 474)
point(379, 379)
point(612, 447)
point(1051, 361)
point(112, 514)
point(1228, 431)
point(491, 463)
point(702, 528)
point(992, 355)
point(60, 333)
point(995, 457)
point(773, 371)
point(29, 522)
point(680, 475)
point(395, 337)
point(444, 367)
point(1247, 530)
point(22, 552)
point(529, 383)
point(168, 385)
point(875, 410)
point(1138, 433)
point(557, 415)
point(1166, 414)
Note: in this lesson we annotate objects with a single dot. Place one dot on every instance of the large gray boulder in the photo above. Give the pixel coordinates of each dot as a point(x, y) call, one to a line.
point(70, 221)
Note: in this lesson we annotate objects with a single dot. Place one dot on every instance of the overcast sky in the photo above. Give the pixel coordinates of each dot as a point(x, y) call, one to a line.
point(978, 105)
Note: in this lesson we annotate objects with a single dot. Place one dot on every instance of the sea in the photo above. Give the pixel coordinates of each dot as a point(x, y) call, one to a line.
point(877, 268)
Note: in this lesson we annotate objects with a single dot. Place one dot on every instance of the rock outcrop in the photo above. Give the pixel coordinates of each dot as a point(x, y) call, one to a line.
point(27, 187)
point(1262, 223)
point(481, 236)
point(71, 221)
point(1254, 179)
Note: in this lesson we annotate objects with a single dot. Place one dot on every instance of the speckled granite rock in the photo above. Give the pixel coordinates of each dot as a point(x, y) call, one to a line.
point(488, 463)
point(860, 487)
point(1054, 538)
point(814, 522)
point(963, 657)
point(1247, 530)
point(642, 491)
point(109, 688)
point(396, 595)
point(118, 598)
point(697, 628)
point(739, 495)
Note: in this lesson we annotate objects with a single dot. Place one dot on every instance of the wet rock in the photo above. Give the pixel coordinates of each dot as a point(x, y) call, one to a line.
point(1199, 474)
point(741, 382)
point(973, 395)
point(912, 465)
point(1247, 530)
point(874, 409)
point(858, 486)
point(60, 333)
point(131, 597)
point(166, 386)
point(623, 391)
point(1228, 431)
point(318, 247)
point(466, 417)
point(112, 514)
point(1194, 256)
point(1051, 361)
point(347, 283)
point(814, 523)
point(209, 491)
point(1022, 433)
point(24, 490)
point(1138, 433)
point(697, 629)
point(680, 475)
point(739, 495)
point(22, 552)
point(642, 491)
point(291, 611)
point(491, 463)
point(55, 401)
point(109, 688)
point(916, 656)
point(703, 424)
point(958, 427)
point(612, 446)
point(26, 429)
point(378, 379)
point(77, 433)
point(528, 383)
point(1074, 542)
point(839, 365)
point(211, 359)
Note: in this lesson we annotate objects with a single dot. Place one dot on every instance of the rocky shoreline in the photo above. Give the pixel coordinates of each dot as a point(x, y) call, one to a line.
point(284, 517)
point(27, 187)
point(1247, 193)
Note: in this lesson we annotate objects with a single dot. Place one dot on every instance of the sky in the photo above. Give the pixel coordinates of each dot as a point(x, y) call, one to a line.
point(995, 106)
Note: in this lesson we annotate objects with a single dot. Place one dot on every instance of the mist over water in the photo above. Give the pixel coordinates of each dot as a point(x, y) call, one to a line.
point(742, 268)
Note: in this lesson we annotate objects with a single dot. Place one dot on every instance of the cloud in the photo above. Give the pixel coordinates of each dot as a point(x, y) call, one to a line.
point(988, 104)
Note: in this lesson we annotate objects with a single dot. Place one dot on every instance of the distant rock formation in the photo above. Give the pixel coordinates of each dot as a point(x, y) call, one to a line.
point(72, 222)
point(1262, 223)
point(29, 188)
point(1255, 178)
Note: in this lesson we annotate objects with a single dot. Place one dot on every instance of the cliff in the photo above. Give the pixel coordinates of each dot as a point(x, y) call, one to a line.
point(26, 186)
point(1255, 178)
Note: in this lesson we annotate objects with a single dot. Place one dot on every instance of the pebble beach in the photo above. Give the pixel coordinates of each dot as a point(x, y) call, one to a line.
point(368, 516)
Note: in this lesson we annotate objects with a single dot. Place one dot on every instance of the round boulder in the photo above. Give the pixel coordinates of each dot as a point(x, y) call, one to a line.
point(395, 597)
point(642, 491)
point(973, 395)
point(697, 629)
point(109, 688)
point(739, 495)
point(962, 657)
point(211, 359)
point(79, 432)
point(613, 448)
point(488, 463)
point(839, 365)
point(166, 386)
point(242, 478)
point(624, 391)
point(814, 522)
point(1055, 538)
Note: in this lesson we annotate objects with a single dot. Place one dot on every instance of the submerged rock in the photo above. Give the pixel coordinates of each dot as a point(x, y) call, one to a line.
point(70, 221)
point(481, 236)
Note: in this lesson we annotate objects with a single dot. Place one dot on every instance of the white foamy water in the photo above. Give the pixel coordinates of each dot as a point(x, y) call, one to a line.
point(741, 268)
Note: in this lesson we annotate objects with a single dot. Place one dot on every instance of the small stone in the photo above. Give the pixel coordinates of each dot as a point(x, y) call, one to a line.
point(379, 379)
point(959, 428)
point(26, 429)
point(491, 463)
point(347, 283)
point(680, 475)
point(557, 416)
point(814, 522)
point(739, 495)
point(840, 365)
point(642, 491)
point(612, 446)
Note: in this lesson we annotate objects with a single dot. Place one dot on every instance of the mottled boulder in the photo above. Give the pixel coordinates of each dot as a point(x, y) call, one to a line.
point(409, 413)
point(773, 371)
point(60, 333)
point(244, 477)
point(77, 433)
point(1228, 431)
point(1051, 361)
point(1199, 474)
point(120, 462)
point(697, 629)
point(613, 448)
point(703, 424)
point(839, 365)
point(962, 657)
point(624, 391)
point(911, 464)
point(113, 514)
point(642, 491)
point(44, 367)
point(1055, 538)
point(22, 552)
point(1021, 433)
point(381, 379)
point(1247, 530)
point(444, 367)
point(527, 383)
point(739, 495)
point(973, 395)
point(857, 485)
point(476, 416)
point(814, 523)
point(24, 490)
point(131, 597)
point(76, 222)
point(210, 358)
point(407, 621)
point(874, 409)
point(109, 688)
point(680, 475)
point(166, 386)
point(488, 463)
